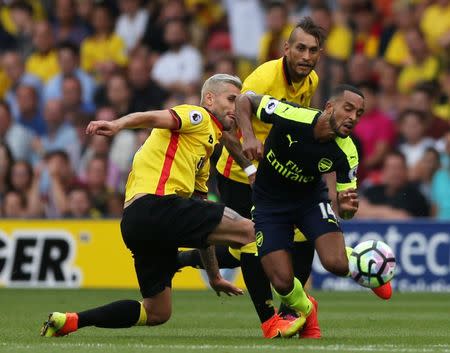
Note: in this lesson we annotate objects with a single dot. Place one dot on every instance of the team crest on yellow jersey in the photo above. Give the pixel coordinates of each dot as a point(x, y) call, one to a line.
point(325, 165)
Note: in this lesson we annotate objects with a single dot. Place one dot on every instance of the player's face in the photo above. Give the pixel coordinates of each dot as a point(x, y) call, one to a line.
point(345, 112)
point(301, 54)
point(223, 105)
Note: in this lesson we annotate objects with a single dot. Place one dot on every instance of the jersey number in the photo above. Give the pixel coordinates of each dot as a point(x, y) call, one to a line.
point(327, 211)
point(210, 140)
point(200, 163)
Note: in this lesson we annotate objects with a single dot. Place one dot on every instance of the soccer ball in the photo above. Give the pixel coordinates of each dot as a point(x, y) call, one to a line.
point(372, 263)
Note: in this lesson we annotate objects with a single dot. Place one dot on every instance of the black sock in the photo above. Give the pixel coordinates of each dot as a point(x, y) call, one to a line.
point(258, 286)
point(303, 256)
point(192, 258)
point(119, 314)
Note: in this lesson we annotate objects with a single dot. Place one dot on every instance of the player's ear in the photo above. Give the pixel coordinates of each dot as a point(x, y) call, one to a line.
point(209, 98)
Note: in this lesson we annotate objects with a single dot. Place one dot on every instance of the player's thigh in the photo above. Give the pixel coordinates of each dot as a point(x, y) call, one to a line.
point(155, 268)
point(235, 195)
point(273, 230)
point(316, 218)
point(233, 230)
point(170, 221)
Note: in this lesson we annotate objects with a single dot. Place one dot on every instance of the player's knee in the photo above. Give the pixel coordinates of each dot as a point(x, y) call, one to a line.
point(282, 283)
point(158, 318)
point(246, 234)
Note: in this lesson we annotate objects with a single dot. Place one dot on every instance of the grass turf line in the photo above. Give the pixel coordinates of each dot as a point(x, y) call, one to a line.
point(202, 322)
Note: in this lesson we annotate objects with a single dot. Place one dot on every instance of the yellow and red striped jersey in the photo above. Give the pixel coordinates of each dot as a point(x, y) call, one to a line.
point(271, 78)
point(176, 161)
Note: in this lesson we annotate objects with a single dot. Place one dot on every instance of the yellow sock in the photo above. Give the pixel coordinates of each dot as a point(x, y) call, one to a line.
point(348, 250)
point(297, 299)
point(142, 321)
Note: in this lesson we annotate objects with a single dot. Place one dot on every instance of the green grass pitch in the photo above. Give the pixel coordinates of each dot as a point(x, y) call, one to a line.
point(203, 322)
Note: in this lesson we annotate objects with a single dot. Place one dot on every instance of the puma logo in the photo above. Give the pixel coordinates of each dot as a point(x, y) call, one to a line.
point(291, 142)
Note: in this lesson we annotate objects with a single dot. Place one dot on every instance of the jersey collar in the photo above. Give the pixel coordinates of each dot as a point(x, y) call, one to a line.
point(216, 121)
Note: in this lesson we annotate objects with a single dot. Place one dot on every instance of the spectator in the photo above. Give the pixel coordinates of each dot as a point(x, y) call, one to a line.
point(96, 178)
point(115, 205)
point(339, 39)
point(442, 107)
point(390, 101)
point(395, 197)
point(69, 62)
point(22, 177)
point(71, 100)
point(397, 50)
point(6, 161)
point(278, 29)
point(146, 93)
point(360, 69)
point(154, 32)
point(29, 113)
point(14, 205)
point(103, 52)
point(14, 67)
point(17, 137)
point(179, 69)
point(423, 66)
point(367, 28)
point(66, 26)
point(435, 25)
point(119, 95)
point(422, 99)
point(80, 205)
point(425, 170)
point(43, 63)
point(412, 127)
point(375, 131)
point(440, 191)
point(131, 24)
point(60, 135)
point(100, 146)
point(52, 184)
point(22, 17)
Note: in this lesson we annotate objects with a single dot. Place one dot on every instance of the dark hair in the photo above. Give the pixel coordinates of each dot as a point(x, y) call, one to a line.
point(276, 4)
point(10, 159)
point(396, 153)
point(57, 153)
point(69, 45)
point(340, 89)
point(308, 25)
point(419, 114)
point(22, 5)
point(371, 86)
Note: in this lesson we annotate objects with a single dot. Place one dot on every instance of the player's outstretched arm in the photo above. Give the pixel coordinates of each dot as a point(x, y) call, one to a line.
point(246, 105)
point(162, 119)
point(217, 282)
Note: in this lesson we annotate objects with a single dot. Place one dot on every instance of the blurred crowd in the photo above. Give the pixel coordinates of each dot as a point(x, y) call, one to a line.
point(64, 63)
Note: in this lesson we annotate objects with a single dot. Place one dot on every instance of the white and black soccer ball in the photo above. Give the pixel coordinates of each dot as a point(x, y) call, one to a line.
point(372, 263)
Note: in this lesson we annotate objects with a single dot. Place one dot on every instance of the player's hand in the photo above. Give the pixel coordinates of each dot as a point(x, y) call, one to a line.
point(348, 203)
point(102, 127)
point(220, 284)
point(251, 179)
point(253, 149)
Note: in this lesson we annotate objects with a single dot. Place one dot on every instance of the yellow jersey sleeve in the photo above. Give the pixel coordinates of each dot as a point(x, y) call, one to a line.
point(202, 177)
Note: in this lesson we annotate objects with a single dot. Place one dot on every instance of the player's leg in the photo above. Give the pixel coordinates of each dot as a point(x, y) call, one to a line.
point(238, 196)
point(154, 272)
point(192, 258)
point(331, 250)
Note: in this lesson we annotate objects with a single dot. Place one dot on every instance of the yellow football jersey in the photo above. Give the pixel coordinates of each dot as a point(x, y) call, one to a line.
point(271, 78)
point(176, 161)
